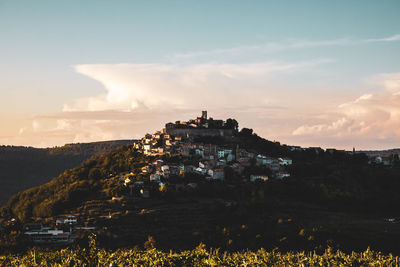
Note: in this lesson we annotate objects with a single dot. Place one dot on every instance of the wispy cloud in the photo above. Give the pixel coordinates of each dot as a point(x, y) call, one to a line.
point(272, 47)
point(392, 38)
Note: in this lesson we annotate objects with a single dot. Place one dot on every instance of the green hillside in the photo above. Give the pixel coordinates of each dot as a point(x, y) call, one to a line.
point(26, 167)
point(93, 179)
point(332, 199)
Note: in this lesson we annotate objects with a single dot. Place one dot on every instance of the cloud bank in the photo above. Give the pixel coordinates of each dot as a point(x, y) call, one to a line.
point(140, 98)
point(162, 86)
point(369, 120)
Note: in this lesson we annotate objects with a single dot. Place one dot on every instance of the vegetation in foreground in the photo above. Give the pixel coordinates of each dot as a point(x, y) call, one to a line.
point(200, 256)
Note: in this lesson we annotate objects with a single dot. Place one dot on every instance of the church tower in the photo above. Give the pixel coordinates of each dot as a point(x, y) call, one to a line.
point(204, 114)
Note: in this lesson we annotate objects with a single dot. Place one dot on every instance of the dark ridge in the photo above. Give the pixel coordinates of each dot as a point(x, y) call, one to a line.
point(25, 167)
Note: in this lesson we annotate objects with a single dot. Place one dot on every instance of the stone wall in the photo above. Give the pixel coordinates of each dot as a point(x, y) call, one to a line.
point(200, 132)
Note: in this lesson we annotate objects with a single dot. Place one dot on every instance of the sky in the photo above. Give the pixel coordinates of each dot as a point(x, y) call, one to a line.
point(309, 73)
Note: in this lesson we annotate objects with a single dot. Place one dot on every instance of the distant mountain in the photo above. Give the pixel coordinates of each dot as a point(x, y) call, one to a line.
point(25, 167)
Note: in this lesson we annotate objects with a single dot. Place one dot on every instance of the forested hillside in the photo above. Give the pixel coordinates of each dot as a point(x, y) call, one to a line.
point(93, 179)
point(331, 198)
point(25, 167)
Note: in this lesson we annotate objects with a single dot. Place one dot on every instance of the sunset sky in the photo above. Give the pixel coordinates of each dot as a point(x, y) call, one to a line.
point(310, 73)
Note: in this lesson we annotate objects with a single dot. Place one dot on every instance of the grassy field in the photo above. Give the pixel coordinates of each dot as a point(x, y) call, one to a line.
point(201, 256)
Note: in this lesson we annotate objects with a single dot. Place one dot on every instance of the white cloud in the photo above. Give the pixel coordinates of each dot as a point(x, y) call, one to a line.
point(140, 98)
point(133, 86)
point(371, 119)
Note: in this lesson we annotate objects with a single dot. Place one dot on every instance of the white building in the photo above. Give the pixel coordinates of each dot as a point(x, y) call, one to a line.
point(201, 170)
point(71, 220)
point(255, 177)
point(282, 175)
point(217, 174)
point(127, 181)
point(164, 168)
point(47, 235)
point(285, 161)
point(199, 152)
point(155, 177)
point(264, 160)
point(226, 153)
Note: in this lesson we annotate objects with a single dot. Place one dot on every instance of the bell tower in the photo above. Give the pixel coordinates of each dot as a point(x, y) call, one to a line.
point(204, 114)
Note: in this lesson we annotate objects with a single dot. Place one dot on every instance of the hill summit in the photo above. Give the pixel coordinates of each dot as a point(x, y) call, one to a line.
point(202, 146)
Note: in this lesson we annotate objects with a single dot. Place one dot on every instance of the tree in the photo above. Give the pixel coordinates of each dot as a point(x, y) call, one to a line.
point(232, 124)
point(150, 243)
point(94, 173)
point(246, 132)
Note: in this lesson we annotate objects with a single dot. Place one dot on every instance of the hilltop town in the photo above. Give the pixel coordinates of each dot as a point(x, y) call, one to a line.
point(180, 157)
point(209, 160)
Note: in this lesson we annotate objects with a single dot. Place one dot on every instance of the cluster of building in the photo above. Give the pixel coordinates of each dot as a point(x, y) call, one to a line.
point(63, 233)
point(169, 139)
point(385, 160)
point(204, 122)
point(69, 220)
point(211, 159)
point(319, 150)
point(46, 235)
point(378, 158)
